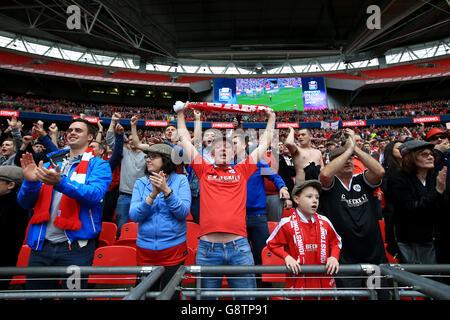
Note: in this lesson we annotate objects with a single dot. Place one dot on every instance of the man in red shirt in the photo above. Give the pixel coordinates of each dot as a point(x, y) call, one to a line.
point(223, 189)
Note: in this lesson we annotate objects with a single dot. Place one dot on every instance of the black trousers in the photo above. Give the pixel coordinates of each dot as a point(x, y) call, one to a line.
point(109, 204)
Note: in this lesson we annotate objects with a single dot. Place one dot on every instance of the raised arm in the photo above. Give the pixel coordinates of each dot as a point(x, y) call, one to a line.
point(185, 138)
point(53, 133)
point(329, 171)
point(136, 141)
point(117, 154)
point(197, 129)
point(290, 142)
point(110, 134)
point(375, 171)
point(99, 137)
point(266, 138)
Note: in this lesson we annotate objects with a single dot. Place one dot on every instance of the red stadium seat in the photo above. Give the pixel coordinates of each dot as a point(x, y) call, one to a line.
point(129, 231)
point(272, 225)
point(108, 234)
point(128, 242)
point(270, 259)
point(287, 212)
point(114, 256)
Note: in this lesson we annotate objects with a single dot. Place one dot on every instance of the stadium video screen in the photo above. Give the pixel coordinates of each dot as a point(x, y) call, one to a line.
point(281, 94)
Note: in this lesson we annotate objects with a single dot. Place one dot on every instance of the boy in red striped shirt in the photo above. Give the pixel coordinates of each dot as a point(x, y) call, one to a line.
point(306, 237)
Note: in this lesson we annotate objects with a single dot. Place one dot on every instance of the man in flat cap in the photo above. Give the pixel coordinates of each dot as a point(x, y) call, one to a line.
point(348, 201)
point(13, 218)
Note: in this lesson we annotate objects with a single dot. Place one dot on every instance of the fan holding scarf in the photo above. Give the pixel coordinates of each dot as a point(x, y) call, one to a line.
point(65, 196)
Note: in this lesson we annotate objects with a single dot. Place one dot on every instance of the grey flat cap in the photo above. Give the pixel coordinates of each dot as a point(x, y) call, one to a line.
point(336, 152)
point(12, 174)
point(413, 145)
point(303, 184)
point(160, 148)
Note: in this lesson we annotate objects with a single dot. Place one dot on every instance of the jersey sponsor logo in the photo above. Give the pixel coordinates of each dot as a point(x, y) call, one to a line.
point(227, 179)
point(355, 202)
point(311, 247)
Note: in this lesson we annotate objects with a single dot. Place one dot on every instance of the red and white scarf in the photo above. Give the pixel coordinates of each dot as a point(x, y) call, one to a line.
point(299, 238)
point(69, 209)
point(326, 281)
point(221, 107)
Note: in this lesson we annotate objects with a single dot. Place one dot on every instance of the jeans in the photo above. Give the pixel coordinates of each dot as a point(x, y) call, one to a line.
point(122, 211)
point(235, 252)
point(422, 253)
point(59, 254)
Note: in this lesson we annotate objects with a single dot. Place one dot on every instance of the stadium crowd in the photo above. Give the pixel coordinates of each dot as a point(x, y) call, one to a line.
point(61, 106)
point(64, 182)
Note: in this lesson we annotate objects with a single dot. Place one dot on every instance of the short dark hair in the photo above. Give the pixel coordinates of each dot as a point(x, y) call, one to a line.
point(170, 125)
point(91, 129)
point(307, 130)
point(101, 145)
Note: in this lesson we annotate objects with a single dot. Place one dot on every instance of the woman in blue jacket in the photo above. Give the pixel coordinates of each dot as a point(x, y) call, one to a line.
point(160, 204)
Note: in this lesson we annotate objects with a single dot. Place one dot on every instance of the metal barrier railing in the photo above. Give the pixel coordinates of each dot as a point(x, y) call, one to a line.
point(414, 288)
point(145, 277)
point(414, 281)
point(434, 289)
point(198, 292)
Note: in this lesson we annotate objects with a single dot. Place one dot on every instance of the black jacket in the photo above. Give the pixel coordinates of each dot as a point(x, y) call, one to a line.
point(416, 207)
point(13, 220)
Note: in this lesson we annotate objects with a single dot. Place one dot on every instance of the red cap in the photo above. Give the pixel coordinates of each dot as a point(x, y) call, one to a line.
point(433, 131)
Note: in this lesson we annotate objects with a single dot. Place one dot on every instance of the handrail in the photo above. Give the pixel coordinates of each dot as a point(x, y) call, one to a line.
point(84, 270)
point(169, 290)
point(429, 287)
point(138, 292)
point(406, 274)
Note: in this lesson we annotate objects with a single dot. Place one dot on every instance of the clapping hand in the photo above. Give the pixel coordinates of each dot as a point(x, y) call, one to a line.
point(441, 180)
point(46, 176)
point(28, 166)
point(158, 181)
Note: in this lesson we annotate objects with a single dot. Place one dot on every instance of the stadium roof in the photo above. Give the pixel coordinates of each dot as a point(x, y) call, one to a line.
point(254, 35)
